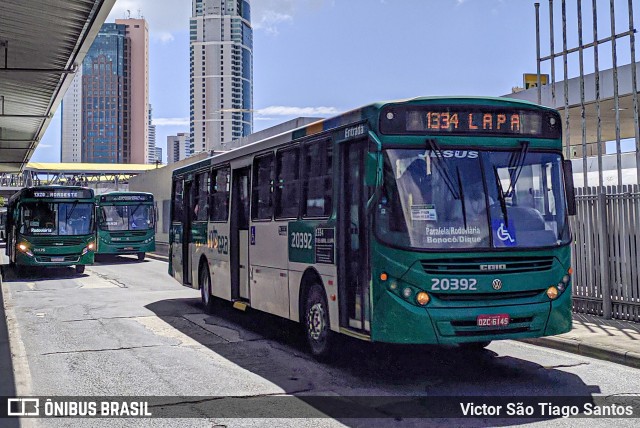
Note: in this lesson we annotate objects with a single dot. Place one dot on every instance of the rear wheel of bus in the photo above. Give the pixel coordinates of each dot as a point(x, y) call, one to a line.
point(141, 256)
point(316, 322)
point(205, 289)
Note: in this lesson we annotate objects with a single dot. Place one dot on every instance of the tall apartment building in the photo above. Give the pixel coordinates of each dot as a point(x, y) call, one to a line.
point(159, 154)
point(221, 53)
point(151, 149)
point(105, 119)
point(178, 147)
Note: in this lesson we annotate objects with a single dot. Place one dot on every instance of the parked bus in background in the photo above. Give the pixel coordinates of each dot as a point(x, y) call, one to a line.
point(126, 223)
point(51, 226)
point(424, 221)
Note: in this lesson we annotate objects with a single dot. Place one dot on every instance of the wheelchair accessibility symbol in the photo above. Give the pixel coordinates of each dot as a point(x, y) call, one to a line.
point(504, 234)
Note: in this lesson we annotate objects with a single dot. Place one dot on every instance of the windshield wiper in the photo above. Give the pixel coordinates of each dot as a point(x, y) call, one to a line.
point(464, 208)
point(516, 162)
point(443, 168)
point(501, 197)
point(73, 207)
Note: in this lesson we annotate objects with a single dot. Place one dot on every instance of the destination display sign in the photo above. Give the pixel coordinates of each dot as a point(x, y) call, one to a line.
point(126, 198)
point(59, 193)
point(475, 120)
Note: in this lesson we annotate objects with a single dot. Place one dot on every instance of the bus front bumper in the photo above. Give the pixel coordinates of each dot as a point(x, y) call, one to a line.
point(55, 259)
point(396, 321)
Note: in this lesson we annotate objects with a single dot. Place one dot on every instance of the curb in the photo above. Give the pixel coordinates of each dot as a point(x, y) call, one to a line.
point(158, 257)
point(600, 352)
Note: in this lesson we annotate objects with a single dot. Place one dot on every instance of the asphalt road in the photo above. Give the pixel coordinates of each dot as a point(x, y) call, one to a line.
point(127, 328)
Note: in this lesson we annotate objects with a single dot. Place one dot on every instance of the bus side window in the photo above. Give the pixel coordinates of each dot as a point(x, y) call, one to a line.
point(317, 187)
point(177, 201)
point(219, 206)
point(201, 205)
point(262, 197)
point(287, 196)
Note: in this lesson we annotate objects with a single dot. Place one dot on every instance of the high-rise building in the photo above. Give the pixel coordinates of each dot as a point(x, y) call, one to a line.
point(178, 147)
point(151, 150)
point(71, 131)
point(221, 52)
point(105, 119)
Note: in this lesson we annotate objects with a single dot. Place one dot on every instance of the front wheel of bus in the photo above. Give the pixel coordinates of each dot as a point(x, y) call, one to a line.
point(316, 322)
point(141, 257)
point(79, 269)
point(205, 289)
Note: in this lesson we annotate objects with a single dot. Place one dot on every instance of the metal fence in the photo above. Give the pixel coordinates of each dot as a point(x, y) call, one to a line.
point(606, 233)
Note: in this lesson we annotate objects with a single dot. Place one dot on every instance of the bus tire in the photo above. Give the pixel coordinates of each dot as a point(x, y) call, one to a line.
point(141, 256)
point(475, 346)
point(316, 322)
point(205, 289)
point(79, 269)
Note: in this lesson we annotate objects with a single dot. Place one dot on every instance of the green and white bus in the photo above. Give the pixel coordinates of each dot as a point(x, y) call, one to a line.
point(126, 223)
point(51, 226)
point(423, 221)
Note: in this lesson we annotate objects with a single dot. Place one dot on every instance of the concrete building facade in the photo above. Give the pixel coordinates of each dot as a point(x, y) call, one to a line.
point(221, 63)
point(178, 147)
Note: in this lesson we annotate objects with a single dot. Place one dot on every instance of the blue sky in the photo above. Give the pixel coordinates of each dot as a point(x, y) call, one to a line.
point(323, 57)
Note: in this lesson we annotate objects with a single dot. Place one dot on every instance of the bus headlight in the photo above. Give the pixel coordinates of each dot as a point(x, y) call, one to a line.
point(90, 247)
point(23, 247)
point(552, 292)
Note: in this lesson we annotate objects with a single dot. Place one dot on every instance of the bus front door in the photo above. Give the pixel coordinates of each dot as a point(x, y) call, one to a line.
point(354, 269)
point(239, 234)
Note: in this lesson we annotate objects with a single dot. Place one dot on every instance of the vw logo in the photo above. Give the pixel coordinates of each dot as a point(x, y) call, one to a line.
point(496, 284)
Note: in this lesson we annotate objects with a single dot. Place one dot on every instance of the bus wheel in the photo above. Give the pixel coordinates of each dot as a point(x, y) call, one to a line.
point(205, 289)
point(475, 346)
point(316, 322)
point(79, 269)
point(141, 256)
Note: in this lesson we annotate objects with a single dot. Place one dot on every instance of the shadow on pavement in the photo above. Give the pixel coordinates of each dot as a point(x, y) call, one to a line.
point(7, 379)
point(111, 259)
point(275, 349)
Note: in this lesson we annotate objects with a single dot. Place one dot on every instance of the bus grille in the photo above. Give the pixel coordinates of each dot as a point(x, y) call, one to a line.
point(66, 259)
point(464, 297)
point(55, 242)
point(474, 266)
point(128, 233)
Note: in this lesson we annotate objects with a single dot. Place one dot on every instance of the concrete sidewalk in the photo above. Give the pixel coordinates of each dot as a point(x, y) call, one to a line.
point(592, 336)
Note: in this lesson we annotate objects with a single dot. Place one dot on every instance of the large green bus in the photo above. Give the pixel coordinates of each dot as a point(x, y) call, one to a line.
point(51, 226)
point(126, 223)
point(423, 221)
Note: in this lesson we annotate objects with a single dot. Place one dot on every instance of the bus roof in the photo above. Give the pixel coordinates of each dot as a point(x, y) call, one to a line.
point(350, 117)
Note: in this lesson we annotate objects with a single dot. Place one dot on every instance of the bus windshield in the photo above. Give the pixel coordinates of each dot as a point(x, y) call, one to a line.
point(460, 199)
point(56, 219)
point(125, 217)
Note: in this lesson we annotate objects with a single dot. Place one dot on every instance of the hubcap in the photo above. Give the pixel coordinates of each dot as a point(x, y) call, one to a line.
point(316, 321)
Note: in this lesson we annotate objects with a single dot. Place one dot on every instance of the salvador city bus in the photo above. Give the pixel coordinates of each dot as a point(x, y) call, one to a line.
point(424, 221)
point(51, 226)
point(126, 223)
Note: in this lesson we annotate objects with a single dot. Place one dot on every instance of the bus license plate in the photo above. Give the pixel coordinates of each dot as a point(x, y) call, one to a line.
point(498, 320)
point(57, 259)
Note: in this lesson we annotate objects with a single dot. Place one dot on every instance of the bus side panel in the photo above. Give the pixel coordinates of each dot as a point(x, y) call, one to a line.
point(269, 286)
point(197, 247)
point(219, 260)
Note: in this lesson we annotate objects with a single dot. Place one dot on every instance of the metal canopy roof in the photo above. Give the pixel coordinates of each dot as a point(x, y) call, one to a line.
point(42, 42)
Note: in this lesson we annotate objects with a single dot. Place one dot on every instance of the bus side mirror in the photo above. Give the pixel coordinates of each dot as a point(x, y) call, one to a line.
point(569, 190)
point(371, 169)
